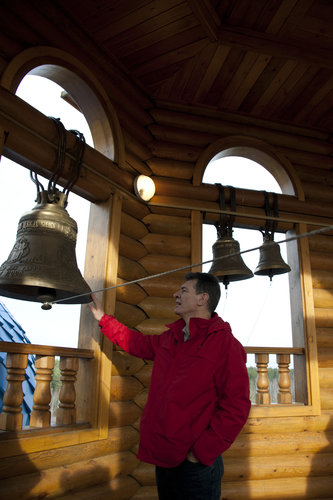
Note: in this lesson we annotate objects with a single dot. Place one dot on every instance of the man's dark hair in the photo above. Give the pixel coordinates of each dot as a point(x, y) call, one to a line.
point(207, 283)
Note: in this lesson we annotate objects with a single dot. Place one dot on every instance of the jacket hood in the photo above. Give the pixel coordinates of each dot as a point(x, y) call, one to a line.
point(200, 327)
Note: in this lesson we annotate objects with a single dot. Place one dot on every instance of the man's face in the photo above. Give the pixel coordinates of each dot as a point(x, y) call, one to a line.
point(187, 300)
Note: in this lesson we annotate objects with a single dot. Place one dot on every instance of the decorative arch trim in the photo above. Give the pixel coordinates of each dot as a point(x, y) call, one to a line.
point(81, 84)
point(254, 149)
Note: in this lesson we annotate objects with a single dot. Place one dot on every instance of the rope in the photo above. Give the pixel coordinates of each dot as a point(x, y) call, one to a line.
point(190, 266)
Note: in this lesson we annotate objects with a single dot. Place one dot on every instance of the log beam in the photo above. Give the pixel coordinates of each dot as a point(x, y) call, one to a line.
point(32, 141)
point(172, 126)
point(264, 43)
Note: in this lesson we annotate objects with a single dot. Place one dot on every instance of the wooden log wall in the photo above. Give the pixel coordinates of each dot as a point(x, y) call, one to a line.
point(290, 456)
point(101, 469)
point(273, 458)
point(149, 244)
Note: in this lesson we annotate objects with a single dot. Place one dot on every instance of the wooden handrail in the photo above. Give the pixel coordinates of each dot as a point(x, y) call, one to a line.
point(45, 350)
point(275, 350)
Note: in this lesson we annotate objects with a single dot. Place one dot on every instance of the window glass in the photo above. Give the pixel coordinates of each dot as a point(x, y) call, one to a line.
point(257, 309)
point(60, 325)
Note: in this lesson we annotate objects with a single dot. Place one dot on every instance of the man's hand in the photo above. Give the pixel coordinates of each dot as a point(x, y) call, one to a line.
point(96, 308)
point(192, 458)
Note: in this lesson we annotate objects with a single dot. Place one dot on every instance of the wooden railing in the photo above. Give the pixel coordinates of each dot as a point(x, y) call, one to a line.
point(16, 364)
point(262, 358)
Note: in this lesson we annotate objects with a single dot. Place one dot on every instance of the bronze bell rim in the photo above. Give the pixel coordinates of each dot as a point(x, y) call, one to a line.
point(271, 268)
point(222, 273)
point(41, 266)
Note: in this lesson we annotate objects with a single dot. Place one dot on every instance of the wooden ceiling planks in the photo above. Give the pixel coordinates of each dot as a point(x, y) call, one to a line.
point(292, 102)
point(213, 65)
point(280, 17)
point(180, 42)
point(127, 15)
point(153, 31)
point(243, 80)
point(276, 84)
point(262, 84)
point(265, 59)
point(231, 64)
point(286, 94)
point(171, 57)
point(207, 17)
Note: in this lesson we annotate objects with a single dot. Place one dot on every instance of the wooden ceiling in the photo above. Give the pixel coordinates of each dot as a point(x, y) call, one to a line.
point(271, 59)
point(267, 59)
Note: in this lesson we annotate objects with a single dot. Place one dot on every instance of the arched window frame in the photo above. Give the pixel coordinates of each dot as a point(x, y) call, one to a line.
point(94, 379)
point(302, 308)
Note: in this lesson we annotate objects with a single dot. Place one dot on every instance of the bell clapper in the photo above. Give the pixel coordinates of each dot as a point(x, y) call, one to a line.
point(46, 306)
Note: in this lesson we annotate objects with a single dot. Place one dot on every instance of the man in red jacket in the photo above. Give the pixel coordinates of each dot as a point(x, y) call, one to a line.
point(198, 399)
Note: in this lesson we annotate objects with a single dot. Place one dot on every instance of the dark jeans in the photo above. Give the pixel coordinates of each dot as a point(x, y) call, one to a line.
point(190, 481)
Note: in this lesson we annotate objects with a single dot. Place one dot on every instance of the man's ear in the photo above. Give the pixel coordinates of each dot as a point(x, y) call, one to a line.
point(203, 298)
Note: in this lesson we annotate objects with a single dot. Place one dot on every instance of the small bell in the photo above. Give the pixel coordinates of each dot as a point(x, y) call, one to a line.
point(228, 264)
point(42, 265)
point(270, 261)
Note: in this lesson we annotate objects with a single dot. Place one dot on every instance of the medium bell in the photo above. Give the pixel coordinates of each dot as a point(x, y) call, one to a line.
point(270, 261)
point(228, 264)
point(42, 265)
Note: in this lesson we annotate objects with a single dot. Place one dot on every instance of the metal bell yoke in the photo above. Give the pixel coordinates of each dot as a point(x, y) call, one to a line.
point(270, 260)
point(228, 264)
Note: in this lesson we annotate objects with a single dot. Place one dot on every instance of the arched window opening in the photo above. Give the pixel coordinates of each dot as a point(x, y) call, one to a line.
point(60, 325)
point(258, 310)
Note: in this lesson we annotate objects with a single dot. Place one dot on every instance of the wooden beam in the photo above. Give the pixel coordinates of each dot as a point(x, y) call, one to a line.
point(264, 43)
point(45, 350)
point(3, 136)
point(32, 142)
point(95, 377)
point(241, 119)
point(207, 17)
point(185, 127)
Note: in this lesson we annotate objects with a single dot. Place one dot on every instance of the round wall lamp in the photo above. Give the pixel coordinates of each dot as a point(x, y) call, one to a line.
point(144, 187)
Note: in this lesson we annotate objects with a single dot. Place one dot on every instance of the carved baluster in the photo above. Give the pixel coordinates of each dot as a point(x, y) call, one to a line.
point(284, 395)
point(263, 396)
point(41, 415)
point(11, 416)
point(66, 413)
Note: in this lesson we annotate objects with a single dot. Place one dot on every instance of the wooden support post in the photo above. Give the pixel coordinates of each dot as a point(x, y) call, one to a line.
point(2, 140)
point(41, 414)
point(284, 395)
point(263, 396)
point(11, 416)
point(66, 413)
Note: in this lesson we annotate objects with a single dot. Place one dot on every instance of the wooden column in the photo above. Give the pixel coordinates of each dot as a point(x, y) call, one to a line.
point(11, 416)
point(41, 414)
point(66, 413)
point(263, 397)
point(100, 271)
point(284, 395)
point(2, 140)
point(196, 241)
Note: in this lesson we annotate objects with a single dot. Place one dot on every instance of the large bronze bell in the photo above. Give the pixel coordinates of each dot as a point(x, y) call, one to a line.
point(228, 264)
point(42, 265)
point(270, 261)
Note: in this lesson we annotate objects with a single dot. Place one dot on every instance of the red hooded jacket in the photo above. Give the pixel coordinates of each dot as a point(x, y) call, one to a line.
point(199, 391)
